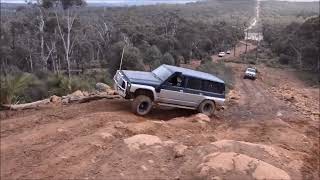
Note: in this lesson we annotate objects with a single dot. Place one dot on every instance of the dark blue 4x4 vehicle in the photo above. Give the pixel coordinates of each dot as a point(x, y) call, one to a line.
point(171, 86)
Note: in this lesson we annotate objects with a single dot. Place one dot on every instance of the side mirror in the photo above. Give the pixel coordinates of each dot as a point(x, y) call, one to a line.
point(158, 88)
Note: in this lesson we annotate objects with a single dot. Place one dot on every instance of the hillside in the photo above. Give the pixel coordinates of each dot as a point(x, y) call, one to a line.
point(34, 41)
point(60, 118)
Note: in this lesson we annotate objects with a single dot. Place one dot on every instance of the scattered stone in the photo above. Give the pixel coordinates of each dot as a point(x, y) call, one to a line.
point(221, 163)
point(279, 113)
point(55, 99)
point(216, 178)
point(106, 135)
point(112, 92)
point(141, 127)
point(316, 113)
point(63, 157)
point(102, 87)
point(179, 150)
point(168, 143)
point(238, 146)
point(288, 97)
point(77, 93)
point(65, 100)
point(202, 117)
point(151, 161)
point(119, 125)
point(143, 167)
point(85, 93)
point(135, 142)
point(233, 95)
point(60, 130)
point(93, 160)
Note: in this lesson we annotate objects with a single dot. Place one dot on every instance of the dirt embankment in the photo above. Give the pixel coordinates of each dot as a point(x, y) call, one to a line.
point(268, 125)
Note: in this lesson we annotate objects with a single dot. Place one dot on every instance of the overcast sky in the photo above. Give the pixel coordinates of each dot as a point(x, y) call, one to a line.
point(132, 1)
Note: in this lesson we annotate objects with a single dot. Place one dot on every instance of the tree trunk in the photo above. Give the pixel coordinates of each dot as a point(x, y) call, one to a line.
point(41, 31)
point(67, 42)
point(318, 69)
point(68, 45)
point(31, 62)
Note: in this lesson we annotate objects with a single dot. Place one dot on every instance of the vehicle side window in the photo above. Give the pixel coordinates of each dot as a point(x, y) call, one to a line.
point(177, 81)
point(194, 83)
point(213, 87)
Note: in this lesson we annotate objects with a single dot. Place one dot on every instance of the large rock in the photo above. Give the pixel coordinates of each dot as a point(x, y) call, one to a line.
point(203, 117)
point(55, 99)
point(102, 87)
point(77, 93)
point(142, 127)
point(228, 164)
point(179, 150)
point(288, 97)
point(241, 146)
point(233, 95)
point(75, 96)
point(135, 142)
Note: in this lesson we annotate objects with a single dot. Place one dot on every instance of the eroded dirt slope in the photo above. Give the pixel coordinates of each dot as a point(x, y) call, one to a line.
point(267, 125)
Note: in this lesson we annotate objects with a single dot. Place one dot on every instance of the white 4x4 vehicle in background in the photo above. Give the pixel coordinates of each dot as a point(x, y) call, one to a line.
point(221, 54)
point(250, 73)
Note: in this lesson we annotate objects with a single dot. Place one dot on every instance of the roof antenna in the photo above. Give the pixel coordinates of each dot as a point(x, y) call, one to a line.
point(126, 43)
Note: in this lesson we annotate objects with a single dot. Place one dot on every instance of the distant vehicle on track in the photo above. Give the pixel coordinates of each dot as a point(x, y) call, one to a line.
point(228, 52)
point(221, 54)
point(250, 73)
point(171, 86)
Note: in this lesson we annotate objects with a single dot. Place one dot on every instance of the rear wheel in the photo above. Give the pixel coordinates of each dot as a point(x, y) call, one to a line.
point(207, 107)
point(142, 105)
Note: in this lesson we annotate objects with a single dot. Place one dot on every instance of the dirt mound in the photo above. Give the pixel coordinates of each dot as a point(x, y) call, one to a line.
point(136, 141)
point(259, 135)
point(228, 165)
point(240, 146)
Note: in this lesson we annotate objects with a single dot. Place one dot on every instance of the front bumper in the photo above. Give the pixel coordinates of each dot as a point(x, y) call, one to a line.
point(250, 76)
point(120, 84)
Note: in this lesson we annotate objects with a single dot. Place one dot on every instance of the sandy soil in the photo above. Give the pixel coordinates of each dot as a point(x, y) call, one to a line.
point(97, 140)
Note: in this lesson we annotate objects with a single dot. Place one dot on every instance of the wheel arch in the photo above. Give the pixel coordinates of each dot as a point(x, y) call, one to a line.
point(137, 88)
point(212, 100)
point(142, 91)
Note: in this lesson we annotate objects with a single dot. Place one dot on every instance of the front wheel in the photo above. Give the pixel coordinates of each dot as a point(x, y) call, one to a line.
point(142, 105)
point(207, 107)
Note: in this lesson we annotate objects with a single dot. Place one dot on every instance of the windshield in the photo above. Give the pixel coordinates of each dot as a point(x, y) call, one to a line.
point(162, 73)
point(251, 70)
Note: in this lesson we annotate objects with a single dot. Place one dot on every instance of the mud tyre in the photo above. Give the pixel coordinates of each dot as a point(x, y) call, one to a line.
point(141, 105)
point(207, 107)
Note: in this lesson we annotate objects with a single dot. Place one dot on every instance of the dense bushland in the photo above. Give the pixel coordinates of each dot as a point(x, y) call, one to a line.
point(297, 44)
point(63, 39)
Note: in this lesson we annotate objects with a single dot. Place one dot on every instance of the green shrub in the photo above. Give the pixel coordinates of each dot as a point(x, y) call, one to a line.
point(99, 76)
point(13, 86)
point(310, 78)
point(59, 84)
point(206, 59)
point(168, 59)
point(284, 59)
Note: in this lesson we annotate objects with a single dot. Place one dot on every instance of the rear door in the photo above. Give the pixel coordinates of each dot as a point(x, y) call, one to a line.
point(193, 92)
